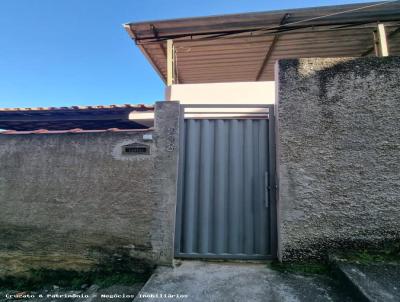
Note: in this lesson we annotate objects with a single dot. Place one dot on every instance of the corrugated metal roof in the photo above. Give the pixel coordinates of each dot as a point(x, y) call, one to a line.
point(75, 117)
point(244, 47)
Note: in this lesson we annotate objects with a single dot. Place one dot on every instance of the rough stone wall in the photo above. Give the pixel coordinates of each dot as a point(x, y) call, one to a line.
point(338, 154)
point(74, 201)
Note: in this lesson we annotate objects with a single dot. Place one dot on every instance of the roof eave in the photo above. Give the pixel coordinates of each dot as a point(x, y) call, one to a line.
point(145, 53)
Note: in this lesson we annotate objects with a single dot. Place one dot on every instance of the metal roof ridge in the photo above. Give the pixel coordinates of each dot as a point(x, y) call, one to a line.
point(274, 11)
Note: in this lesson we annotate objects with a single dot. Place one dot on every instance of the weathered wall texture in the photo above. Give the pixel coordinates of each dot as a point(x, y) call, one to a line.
point(338, 154)
point(73, 201)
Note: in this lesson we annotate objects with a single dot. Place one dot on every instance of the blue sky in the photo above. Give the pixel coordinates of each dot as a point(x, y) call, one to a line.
point(76, 52)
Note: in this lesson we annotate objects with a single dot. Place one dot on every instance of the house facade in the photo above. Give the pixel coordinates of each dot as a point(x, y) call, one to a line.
point(227, 68)
point(278, 138)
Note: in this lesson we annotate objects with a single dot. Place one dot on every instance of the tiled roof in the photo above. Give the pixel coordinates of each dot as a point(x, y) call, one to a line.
point(124, 106)
point(77, 130)
point(74, 117)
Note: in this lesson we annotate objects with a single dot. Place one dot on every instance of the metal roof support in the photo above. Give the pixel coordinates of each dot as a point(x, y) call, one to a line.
point(270, 50)
point(170, 62)
point(380, 41)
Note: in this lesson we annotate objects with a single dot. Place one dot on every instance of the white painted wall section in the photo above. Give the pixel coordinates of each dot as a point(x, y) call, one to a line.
point(223, 93)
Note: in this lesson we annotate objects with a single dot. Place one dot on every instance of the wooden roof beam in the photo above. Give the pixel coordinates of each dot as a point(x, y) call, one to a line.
point(155, 32)
point(372, 48)
point(380, 41)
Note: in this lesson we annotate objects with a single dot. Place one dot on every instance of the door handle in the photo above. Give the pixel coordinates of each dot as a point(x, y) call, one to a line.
point(267, 189)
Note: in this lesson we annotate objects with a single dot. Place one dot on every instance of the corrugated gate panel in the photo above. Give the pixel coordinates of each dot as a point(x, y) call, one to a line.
point(223, 210)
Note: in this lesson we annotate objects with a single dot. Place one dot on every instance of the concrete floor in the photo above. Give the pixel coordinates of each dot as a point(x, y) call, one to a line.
point(115, 293)
point(374, 282)
point(220, 281)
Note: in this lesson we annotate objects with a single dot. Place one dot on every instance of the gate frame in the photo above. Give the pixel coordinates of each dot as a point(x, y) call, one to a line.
point(272, 183)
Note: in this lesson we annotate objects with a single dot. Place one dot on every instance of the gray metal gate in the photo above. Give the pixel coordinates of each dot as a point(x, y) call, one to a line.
point(226, 204)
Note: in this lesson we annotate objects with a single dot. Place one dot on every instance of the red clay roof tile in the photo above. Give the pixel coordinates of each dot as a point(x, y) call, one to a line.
point(138, 106)
point(77, 130)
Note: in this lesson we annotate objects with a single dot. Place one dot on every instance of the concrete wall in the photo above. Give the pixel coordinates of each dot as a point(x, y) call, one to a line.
point(223, 93)
point(338, 154)
point(73, 201)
